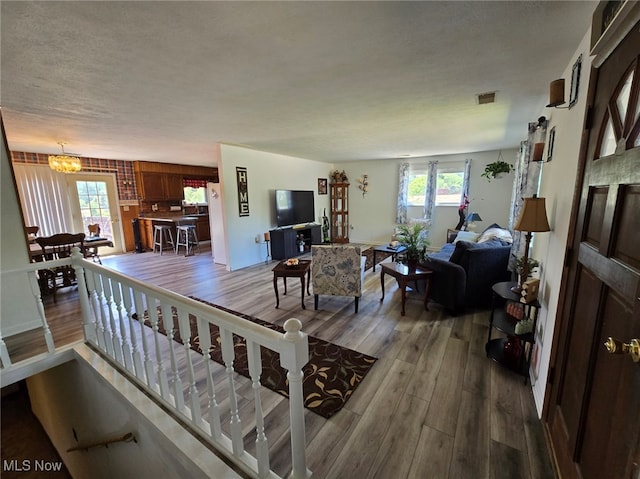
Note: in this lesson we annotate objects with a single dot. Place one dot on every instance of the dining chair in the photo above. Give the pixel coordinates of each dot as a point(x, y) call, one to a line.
point(32, 232)
point(92, 252)
point(55, 247)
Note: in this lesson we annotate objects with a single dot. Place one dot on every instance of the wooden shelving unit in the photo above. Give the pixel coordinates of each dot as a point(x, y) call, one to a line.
point(340, 212)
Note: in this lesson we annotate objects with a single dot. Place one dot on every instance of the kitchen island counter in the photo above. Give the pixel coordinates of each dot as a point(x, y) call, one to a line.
point(147, 223)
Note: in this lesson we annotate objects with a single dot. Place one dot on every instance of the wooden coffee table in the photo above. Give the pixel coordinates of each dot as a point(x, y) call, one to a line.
point(281, 270)
point(404, 275)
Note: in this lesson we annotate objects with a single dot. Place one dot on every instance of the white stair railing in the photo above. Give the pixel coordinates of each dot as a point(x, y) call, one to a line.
point(198, 390)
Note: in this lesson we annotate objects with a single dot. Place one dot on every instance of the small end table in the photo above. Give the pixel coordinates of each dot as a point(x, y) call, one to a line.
point(385, 248)
point(281, 270)
point(403, 274)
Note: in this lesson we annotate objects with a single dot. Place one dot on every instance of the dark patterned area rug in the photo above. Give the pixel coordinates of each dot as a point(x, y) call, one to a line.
point(330, 377)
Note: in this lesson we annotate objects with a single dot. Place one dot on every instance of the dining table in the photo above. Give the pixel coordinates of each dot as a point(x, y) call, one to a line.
point(35, 251)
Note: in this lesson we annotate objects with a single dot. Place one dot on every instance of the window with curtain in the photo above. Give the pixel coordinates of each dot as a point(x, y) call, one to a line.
point(195, 191)
point(448, 190)
point(431, 185)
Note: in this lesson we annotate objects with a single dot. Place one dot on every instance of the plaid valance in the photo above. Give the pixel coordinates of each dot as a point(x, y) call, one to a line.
point(194, 182)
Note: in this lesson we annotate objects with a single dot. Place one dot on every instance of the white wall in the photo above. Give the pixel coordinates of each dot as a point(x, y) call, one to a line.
point(373, 216)
point(557, 186)
point(90, 397)
point(266, 172)
point(19, 314)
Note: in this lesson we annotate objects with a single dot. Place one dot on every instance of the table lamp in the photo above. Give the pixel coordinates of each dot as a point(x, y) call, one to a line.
point(471, 220)
point(532, 219)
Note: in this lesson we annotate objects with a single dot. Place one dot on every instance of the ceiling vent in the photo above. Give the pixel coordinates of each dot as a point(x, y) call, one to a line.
point(484, 98)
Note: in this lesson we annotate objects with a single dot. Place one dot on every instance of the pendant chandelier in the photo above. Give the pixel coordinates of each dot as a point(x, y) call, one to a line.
point(64, 163)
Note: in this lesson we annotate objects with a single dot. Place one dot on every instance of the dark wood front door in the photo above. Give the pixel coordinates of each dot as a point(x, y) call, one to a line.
point(593, 414)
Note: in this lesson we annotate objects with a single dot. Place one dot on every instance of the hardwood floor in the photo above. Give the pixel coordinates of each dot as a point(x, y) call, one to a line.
point(433, 406)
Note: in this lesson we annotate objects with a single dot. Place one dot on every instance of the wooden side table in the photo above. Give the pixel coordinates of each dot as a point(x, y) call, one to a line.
point(403, 274)
point(281, 270)
point(515, 350)
point(385, 248)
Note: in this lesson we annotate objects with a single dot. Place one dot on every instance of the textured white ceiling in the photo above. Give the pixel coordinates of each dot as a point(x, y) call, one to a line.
point(331, 81)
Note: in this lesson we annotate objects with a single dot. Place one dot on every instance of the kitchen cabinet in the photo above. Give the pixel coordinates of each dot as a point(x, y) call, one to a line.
point(146, 234)
point(202, 228)
point(159, 187)
point(173, 186)
point(164, 181)
point(151, 186)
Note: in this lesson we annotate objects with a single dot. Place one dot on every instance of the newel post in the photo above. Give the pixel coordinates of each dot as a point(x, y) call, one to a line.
point(294, 355)
point(76, 260)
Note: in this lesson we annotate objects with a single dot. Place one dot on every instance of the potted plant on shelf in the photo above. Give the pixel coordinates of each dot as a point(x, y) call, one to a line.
point(525, 273)
point(414, 237)
point(495, 169)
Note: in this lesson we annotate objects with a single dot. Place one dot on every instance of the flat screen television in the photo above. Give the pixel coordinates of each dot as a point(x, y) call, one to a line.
point(294, 207)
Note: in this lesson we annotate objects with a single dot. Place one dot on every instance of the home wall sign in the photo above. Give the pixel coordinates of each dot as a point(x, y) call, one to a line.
point(243, 191)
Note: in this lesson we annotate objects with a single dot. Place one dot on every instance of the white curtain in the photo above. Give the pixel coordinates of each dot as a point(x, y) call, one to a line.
point(430, 191)
point(44, 197)
point(403, 185)
point(525, 184)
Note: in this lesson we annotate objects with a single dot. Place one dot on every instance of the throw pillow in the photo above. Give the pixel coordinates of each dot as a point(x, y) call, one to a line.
point(467, 236)
point(460, 248)
point(496, 233)
point(492, 225)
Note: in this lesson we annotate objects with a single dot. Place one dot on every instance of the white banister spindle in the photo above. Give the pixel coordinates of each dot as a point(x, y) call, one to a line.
point(184, 326)
point(83, 294)
point(148, 362)
point(255, 370)
point(127, 297)
point(293, 357)
point(35, 291)
point(4, 354)
point(107, 288)
point(213, 409)
point(125, 341)
point(95, 308)
point(228, 356)
point(161, 374)
point(105, 333)
point(170, 329)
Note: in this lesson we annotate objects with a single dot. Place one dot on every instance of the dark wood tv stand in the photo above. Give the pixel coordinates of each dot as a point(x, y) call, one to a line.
point(284, 240)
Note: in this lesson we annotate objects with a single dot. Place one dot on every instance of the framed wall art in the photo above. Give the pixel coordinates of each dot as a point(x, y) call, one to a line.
point(552, 140)
point(575, 81)
point(322, 186)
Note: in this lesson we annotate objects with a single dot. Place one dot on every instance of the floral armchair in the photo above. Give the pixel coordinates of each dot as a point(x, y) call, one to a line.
point(337, 270)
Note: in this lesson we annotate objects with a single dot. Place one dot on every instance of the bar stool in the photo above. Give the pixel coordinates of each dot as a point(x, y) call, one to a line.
point(162, 236)
point(186, 236)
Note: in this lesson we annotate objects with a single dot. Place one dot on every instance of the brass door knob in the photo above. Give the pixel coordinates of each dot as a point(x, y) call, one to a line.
point(632, 348)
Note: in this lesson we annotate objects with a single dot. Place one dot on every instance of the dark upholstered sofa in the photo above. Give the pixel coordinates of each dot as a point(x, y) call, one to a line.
point(464, 273)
